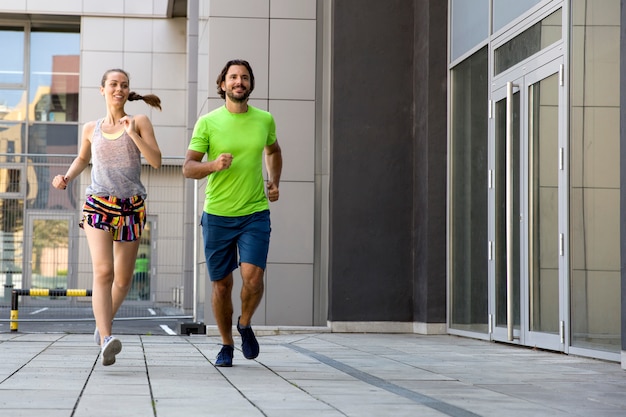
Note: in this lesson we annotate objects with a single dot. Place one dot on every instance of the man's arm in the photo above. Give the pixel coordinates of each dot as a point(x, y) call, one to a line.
point(274, 164)
point(194, 168)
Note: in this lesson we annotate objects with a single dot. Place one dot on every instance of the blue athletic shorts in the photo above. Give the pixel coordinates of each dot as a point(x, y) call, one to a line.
point(223, 236)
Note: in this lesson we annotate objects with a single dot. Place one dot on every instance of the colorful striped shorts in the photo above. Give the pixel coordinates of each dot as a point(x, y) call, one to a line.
point(124, 218)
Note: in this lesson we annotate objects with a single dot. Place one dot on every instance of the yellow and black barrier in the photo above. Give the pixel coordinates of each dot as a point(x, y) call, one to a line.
point(40, 292)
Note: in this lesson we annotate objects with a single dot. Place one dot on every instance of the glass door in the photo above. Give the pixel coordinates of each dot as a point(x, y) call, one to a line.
point(49, 251)
point(141, 287)
point(528, 277)
point(505, 182)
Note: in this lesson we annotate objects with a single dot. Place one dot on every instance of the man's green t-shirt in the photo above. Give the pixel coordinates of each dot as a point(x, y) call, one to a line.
point(238, 190)
point(142, 264)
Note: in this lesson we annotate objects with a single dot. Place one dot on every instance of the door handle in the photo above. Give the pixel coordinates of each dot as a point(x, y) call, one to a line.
point(509, 210)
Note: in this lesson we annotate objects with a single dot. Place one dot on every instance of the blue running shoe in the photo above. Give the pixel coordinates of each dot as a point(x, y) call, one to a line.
point(225, 357)
point(249, 345)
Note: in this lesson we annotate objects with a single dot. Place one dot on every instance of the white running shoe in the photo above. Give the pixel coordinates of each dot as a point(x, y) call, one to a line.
point(110, 348)
point(96, 335)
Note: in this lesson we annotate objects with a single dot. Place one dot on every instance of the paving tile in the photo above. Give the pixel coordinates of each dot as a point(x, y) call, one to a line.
point(305, 374)
point(38, 412)
point(106, 405)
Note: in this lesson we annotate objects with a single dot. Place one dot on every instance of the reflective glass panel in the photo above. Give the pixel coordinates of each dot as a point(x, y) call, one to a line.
point(12, 105)
point(529, 42)
point(505, 11)
point(54, 77)
point(11, 139)
point(47, 139)
point(543, 127)
point(140, 287)
point(469, 26)
point(50, 253)
point(12, 62)
point(595, 246)
point(11, 180)
point(469, 133)
point(53, 138)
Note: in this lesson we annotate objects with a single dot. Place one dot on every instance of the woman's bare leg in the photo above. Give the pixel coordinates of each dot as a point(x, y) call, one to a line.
point(101, 249)
point(124, 255)
point(113, 266)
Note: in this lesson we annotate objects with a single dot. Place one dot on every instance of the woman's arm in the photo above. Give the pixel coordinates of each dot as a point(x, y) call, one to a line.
point(80, 162)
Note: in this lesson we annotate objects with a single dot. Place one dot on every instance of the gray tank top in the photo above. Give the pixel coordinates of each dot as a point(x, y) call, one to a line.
point(116, 169)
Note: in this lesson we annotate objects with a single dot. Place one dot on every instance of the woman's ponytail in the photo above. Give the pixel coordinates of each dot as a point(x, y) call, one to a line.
point(150, 99)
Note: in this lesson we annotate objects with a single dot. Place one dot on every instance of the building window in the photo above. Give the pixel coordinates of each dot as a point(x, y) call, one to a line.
point(469, 25)
point(469, 133)
point(12, 63)
point(39, 81)
point(532, 40)
point(505, 11)
point(595, 176)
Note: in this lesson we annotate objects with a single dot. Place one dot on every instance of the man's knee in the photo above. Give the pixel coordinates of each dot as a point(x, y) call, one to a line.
point(223, 287)
point(252, 276)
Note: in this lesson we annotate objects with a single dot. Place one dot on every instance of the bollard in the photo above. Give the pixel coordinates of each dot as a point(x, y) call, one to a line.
point(13, 323)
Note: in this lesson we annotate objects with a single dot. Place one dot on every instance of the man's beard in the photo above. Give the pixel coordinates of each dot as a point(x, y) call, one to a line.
point(241, 99)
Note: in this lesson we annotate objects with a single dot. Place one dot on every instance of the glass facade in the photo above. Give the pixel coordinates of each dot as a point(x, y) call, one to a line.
point(594, 197)
point(39, 83)
point(569, 211)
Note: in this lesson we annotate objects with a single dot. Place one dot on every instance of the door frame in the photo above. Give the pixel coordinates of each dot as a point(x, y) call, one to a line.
point(524, 76)
point(72, 257)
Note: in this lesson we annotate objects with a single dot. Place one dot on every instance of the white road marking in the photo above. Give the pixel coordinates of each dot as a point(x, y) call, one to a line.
point(152, 311)
point(167, 329)
point(41, 310)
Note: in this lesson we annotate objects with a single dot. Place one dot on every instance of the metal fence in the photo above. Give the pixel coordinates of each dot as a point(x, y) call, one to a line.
point(43, 247)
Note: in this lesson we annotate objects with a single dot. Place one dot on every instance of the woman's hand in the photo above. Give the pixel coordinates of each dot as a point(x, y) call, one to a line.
point(60, 182)
point(129, 124)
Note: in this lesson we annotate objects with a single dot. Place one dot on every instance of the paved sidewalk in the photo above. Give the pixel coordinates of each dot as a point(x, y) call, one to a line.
point(318, 374)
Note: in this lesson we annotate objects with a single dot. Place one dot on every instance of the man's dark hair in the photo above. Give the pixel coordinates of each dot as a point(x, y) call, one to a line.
point(222, 77)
